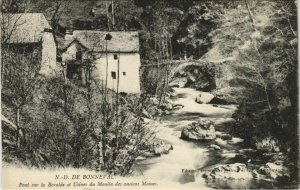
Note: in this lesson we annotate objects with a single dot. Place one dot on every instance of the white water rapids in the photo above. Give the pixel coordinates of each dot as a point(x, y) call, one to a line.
point(167, 170)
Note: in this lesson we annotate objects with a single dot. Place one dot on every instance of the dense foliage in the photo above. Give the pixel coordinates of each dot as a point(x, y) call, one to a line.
point(61, 124)
point(263, 41)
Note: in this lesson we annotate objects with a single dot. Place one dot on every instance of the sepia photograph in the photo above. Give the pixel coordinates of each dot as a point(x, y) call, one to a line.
point(149, 94)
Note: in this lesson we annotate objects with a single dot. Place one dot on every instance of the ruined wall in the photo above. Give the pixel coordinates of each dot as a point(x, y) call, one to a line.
point(49, 65)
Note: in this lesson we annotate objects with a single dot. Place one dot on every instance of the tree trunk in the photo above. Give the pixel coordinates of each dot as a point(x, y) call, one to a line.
point(171, 49)
point(185, 53)
point(112, 14)
point(100, 156)
point(250, 14)
point(267, 96)
point(157, 75)
point(2, 69)
point(18, 137)
point(107, 17)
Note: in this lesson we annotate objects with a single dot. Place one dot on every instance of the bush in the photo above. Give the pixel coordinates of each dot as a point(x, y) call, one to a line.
point(268, 144)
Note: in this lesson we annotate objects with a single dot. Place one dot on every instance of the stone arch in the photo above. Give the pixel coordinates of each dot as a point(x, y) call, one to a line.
point(180, 66)
point(198, 74)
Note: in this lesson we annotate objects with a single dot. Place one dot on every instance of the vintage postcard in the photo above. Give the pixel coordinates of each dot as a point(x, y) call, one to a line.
point(149, 94)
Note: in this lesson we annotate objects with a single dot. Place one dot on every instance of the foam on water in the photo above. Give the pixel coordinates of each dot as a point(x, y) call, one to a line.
point(170, 169)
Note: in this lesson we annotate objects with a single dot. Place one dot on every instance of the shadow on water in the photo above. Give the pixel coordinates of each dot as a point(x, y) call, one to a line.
point(179, 95)
point(192, 116)
point(183, 116)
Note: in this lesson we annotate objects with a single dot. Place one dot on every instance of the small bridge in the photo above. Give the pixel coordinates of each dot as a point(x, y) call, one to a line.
point(155, 74)
point(173, 66)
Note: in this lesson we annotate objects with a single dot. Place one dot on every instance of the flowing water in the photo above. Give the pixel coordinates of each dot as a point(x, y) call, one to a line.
point(180, 168)
point(176, 168)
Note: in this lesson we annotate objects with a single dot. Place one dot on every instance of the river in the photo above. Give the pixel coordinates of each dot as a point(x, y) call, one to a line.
point(176, 169)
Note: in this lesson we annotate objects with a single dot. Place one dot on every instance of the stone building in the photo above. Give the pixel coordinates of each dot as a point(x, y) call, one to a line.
point(29, 32)
point(114, 55)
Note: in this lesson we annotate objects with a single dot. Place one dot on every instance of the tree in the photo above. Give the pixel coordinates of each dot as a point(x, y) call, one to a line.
point(56, 9)
point(193, 34)
point(263, 42)
point(20, 81)
point(14, 6)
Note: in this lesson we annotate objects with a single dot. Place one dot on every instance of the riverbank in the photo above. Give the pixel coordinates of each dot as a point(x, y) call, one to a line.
point(188, 162)
point(218, 163)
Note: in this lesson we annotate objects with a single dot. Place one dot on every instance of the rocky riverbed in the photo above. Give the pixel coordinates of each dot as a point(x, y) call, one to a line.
point(203, 153)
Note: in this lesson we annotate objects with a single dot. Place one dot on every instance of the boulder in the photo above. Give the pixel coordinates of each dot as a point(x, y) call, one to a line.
point(148, 154)
point(204, 98)
point(198, 99)
point(214, 147)
point(223, 136)
point(200, 130)
point(229, 171)
point(241, 158)
point(160, 147)
point(216, 100)
point(177, 106)
point(273, 171)
point(166, 106)
point(255, 174)
point(178, 82)
point(220, 142)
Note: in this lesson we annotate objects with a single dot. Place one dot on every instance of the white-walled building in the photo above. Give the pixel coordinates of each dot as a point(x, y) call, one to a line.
point(31, 31)
point(120, 55)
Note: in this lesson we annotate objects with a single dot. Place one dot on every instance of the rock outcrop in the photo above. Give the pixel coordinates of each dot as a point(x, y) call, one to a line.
point(178, 82)
point(200, 130)
point(223, 136)
point(229, 171)
point(158, 148)
point(273, 171)
point(177, 106)
point(204, 98)
point(161, 147)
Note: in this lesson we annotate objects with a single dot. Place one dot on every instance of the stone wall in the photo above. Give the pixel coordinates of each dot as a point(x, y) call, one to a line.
point(129, 76)
point(49, 65)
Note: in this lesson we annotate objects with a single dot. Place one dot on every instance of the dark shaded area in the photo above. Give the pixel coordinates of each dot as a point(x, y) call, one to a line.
point(201, 77)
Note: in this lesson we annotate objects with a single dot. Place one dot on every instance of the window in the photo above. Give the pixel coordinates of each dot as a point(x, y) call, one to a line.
point(115, 56)
point(124, 73)
point(78, 55)
point(113, 75)
point(74, 72)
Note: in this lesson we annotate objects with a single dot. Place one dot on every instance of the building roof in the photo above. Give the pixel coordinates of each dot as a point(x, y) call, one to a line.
point(95, 41)
point(24, 27)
